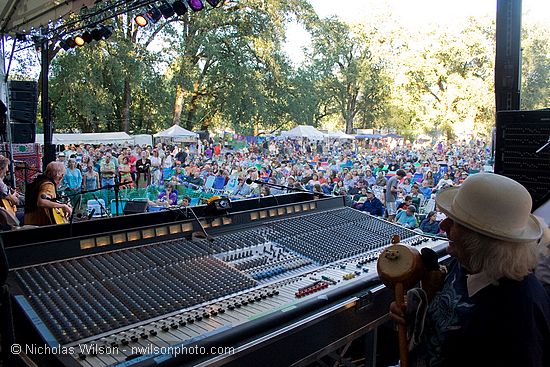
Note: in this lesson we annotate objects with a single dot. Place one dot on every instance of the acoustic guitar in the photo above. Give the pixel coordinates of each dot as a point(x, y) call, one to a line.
point(9, 209)
point(58, 215)
point(6, 204)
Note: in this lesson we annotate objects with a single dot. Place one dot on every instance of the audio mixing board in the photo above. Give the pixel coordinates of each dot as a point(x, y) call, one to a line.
point(147, 296)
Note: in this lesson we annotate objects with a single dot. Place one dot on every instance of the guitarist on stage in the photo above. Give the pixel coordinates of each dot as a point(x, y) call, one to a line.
point(8, 198)
point(41, 207)
point(5, 192)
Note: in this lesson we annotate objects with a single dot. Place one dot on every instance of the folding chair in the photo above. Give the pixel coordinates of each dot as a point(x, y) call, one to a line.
point(219, 184)
point(231, 184)
point(209, 183)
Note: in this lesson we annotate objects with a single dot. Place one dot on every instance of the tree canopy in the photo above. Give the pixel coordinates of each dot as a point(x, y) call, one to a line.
point(226, 68)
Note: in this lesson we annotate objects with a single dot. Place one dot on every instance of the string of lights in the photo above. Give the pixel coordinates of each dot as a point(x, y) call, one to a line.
point(89, 25)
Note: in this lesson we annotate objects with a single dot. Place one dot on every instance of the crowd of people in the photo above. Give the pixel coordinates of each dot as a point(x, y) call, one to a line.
point(487, 301)
point(389, 178)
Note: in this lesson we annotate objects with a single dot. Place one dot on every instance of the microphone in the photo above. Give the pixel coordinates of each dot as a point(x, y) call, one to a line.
point(259, 182)
point(53, 200)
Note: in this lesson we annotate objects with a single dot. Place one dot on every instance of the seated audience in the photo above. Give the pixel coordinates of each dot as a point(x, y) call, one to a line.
point(373, 205)
point(407, 218)
point(430, 223)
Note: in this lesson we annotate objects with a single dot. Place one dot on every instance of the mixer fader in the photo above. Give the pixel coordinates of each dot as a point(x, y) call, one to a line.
point(248, 280)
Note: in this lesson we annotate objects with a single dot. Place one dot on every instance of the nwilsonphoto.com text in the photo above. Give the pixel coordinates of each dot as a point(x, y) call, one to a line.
point(93, 349)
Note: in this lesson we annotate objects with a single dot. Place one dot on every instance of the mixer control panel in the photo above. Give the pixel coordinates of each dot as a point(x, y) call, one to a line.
point(124, 307)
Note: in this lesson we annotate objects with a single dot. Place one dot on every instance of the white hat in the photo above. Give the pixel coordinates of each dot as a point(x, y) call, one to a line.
point(493, 205)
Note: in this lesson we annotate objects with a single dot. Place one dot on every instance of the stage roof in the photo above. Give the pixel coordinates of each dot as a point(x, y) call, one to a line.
point(21, 16)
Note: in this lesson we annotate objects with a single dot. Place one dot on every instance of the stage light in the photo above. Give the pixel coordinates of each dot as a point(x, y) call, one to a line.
point(70, 42)
point(106, 31)
point(87, 37)
point(96, 34)
point(217, 205)
point(179, 7)
point(101, 32)
point(195, 5)
point(214, 3)
point(79, 41)
point(64, 45)
point(166, 10)
point(153, 15)
point(141, 20)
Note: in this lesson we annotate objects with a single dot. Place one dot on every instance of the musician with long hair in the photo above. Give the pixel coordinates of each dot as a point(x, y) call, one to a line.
point(8, 199)
point(5, 191)
point(40, 205)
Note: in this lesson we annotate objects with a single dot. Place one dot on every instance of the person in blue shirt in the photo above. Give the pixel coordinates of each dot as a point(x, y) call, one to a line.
point(407, 218)
point(242, 189)
point(73, 178)
point(373, 205)
point(488, 308)
point(430, 224)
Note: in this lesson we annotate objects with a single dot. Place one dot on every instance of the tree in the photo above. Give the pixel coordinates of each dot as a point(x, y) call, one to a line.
point(450, 79)
point(535, 87)
point(92, 87)
point(230, 64)
point(349, 78)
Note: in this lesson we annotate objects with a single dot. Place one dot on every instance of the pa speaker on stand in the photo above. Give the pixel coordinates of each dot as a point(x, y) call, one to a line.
point(522, 152)
point(23, 96)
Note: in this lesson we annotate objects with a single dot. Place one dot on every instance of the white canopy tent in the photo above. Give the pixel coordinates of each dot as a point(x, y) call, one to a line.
point(177, 133)
point(143, 139)
point(340, 135)
point(89, 138)
point(304, 131)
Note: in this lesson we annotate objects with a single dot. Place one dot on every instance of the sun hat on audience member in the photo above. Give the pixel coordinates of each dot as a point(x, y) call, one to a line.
point(493, 205)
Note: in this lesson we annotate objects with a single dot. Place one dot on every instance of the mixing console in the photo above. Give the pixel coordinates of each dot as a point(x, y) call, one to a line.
point(180, 292)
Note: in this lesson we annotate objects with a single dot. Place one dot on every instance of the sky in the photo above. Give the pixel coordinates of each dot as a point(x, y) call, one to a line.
point(412, 14)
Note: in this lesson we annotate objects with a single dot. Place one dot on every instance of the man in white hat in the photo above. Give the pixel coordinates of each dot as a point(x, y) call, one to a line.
point(490, 310)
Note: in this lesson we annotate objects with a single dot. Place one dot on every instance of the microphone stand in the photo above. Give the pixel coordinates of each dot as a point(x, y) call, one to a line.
point(99, 202)
point(208, 238)
point(544, 146)
point(117, 190)
point(260, 182)
point(76, 207)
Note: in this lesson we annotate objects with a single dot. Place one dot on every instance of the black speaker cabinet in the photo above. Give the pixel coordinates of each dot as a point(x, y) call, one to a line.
point(23, 133)
point(23, 85)
point(135, 207)
point(23, 105)
point(23, 95)
point(27, 116)
point(519, 135)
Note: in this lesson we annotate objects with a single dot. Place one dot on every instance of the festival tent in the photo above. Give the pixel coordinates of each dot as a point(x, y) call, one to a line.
point(340, 135)
point(368, 136)
point(392, 135)
point(304, 131)
point(143, 139)
point(89, 138)
point(177, 133)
